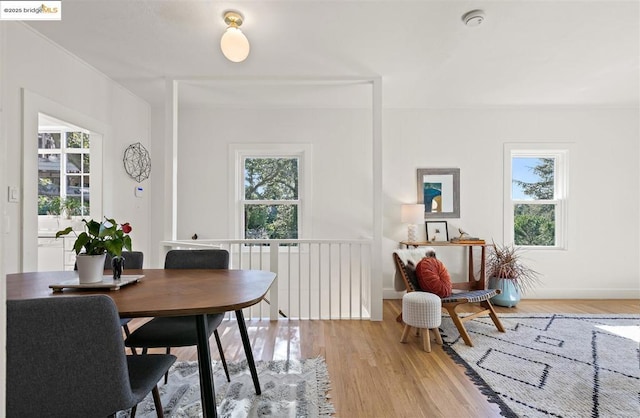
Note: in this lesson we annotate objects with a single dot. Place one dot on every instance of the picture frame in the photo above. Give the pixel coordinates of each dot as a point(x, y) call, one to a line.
point(439, 191)
point(437, 231)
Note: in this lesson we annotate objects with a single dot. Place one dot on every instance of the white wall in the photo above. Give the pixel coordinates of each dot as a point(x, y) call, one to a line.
point(3, 186)
point(601, 259)
point(34, 63)
point(342, 166)
point(603, 193)
point(605, 158)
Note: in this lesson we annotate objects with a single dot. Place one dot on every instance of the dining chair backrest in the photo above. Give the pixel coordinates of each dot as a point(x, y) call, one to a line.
point(65, 357)
point(132, 260)
point(197, 259)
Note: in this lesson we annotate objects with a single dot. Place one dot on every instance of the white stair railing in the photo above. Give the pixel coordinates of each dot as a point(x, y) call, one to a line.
point(316, 279)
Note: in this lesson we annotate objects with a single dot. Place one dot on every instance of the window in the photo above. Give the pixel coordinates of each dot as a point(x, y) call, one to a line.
point(63, 172)
point(271, 197)
point(271, 184)
point(536, 193)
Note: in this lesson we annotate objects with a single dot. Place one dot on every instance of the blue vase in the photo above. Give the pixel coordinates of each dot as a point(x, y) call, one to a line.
point(509, 296)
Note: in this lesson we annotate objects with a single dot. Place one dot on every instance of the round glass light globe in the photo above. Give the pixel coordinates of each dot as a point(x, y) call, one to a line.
point(234, 45)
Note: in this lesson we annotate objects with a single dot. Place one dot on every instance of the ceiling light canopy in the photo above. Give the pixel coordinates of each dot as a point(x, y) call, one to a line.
point(234, 45)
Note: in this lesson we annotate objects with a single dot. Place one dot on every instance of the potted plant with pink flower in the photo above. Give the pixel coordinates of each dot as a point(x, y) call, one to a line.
point(92, 245)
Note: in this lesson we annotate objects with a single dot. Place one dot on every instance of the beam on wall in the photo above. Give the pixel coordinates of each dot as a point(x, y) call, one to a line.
point(375, 82)
point(171, 157)
point(376, 249)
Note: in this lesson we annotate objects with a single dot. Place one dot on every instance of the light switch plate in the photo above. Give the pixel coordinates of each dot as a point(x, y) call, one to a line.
point(13, 194)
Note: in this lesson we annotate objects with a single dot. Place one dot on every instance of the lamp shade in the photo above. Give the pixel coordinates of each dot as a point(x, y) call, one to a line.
point(234, 45)
point(412, 214)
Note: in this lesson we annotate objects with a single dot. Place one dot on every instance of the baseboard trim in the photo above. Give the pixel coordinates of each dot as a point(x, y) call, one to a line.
point(555, 293)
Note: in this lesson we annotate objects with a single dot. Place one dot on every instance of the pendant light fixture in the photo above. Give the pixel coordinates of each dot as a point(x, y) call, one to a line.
point(234, 45)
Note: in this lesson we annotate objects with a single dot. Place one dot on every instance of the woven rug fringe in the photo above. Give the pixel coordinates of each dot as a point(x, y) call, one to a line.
point(325, 408)
point(480, 383)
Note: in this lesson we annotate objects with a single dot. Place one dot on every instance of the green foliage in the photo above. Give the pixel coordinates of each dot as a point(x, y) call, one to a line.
point(98, 238)
point(271, 179)
point(48, 205)
point(535, 224)
point(271, 221)
point(71, 206)
point(54, 205)
point(77, 140)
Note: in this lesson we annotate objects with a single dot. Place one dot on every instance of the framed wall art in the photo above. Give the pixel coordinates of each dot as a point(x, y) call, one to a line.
point(437, 231)
point(439, 190)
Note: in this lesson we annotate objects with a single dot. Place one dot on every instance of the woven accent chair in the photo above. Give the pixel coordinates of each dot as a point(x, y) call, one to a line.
point(472, 291)
point(66, 358)
point(180, 331)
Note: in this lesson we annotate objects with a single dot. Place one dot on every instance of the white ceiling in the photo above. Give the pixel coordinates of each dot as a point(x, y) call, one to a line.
point(526, 53)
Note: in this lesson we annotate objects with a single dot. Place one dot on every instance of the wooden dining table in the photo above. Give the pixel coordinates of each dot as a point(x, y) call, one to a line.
point(164, 292)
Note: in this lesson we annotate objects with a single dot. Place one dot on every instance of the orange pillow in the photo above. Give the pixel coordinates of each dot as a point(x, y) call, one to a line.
point(433, 277)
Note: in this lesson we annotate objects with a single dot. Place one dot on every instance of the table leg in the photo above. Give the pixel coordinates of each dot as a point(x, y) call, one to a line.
point(207, 391)
point(247, 350)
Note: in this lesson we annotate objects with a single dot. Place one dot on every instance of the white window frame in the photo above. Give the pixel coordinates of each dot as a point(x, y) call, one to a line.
point(33, 105)
point(237, 154)
point(62, 152)
point(560, 153)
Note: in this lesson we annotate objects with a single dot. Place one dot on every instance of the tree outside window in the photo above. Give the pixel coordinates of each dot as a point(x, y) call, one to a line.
point(63, 173)
point(535, 201)
point(271, 197)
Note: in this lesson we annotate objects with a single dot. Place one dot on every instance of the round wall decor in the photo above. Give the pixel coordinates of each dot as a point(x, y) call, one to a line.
point(137, 162)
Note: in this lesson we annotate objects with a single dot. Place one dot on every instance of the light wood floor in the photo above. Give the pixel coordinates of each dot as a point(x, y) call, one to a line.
point(372, 373)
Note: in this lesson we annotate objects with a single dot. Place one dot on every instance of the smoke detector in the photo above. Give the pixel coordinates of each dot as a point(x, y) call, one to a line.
point(473, 18)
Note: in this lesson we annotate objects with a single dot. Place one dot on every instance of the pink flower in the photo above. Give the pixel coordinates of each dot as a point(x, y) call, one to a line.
point(126, 228)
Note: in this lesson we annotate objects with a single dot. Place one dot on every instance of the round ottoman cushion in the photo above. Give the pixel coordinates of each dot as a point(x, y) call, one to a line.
point(433, 277)
point(421, 310)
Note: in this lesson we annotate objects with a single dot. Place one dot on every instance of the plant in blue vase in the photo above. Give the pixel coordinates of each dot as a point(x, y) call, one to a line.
point(507, 273)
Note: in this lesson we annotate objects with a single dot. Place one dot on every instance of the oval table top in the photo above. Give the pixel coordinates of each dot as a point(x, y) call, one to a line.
point(161, 292)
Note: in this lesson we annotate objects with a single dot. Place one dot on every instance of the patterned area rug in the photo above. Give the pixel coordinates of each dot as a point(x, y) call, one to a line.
point(290, 388)
point(554, 365)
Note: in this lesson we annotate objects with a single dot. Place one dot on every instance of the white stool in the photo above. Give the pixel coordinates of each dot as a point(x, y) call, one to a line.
point(424, 311)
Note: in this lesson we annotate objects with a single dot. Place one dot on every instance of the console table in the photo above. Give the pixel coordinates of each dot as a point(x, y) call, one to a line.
point(473, 281)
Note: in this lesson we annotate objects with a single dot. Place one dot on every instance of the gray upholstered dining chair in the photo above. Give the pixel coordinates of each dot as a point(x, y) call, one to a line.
point(132, 260)
point(66, 358)
point(180, 331)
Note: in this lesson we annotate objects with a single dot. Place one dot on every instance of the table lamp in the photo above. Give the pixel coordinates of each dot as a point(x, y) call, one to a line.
point(412, 215)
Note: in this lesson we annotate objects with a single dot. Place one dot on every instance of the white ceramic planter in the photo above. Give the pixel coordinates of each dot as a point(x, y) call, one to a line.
point(90, 268)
